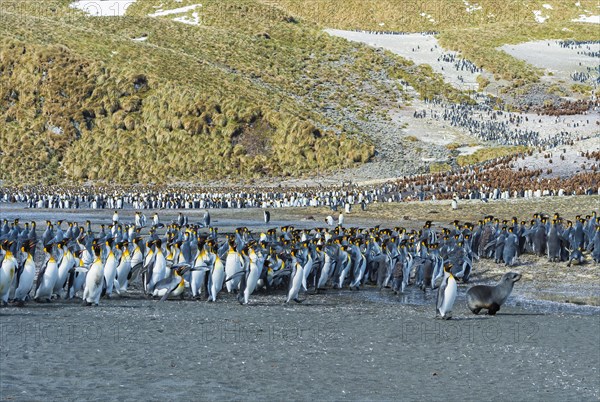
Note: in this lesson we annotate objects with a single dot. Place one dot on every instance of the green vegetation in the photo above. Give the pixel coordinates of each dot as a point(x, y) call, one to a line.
point(476, 34)
point(453, 146)
point(439, 167)
point(486, 154)
point(83, 101)
point(250, 91)
point(482, 82)
point(582, 89)
point(256, 89)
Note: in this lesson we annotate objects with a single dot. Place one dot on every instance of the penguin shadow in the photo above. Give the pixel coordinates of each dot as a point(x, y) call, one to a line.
point(468, 318)
point(521, 314)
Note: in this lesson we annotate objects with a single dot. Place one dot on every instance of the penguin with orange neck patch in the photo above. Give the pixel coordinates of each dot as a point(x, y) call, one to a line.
point(446, 294)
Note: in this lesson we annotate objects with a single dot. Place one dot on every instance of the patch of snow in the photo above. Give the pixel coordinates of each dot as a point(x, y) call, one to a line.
point(578, 4)
point(181, 10)
point(591, 19)
point(547, 7)
point(140, 39)
point(55, 129)
point(381, 24)
point(428, 16)
point(471, 7)
point(195, 20)
point(539, 17)
point(103, 8)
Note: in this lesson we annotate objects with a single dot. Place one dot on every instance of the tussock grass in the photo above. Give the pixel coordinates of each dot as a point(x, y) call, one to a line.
point(486, 154)
point(439, 167)
point(190, 103)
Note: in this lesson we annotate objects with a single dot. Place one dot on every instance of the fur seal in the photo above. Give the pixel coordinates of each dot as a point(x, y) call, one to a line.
point(491, 297)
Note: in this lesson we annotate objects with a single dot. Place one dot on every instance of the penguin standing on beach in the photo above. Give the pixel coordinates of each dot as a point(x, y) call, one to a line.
point(217, 276)
point(47, 277)
point(267, 217)
point(25, 274)
point(206, 220)
point(298, 276)
point(511, 244)
point(94, 280)
point(7, 272)
point(446, 294)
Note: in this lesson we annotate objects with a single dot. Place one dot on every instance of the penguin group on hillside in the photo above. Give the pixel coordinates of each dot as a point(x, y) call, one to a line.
point(189, 259)
point(497, 179)
point(488, 123)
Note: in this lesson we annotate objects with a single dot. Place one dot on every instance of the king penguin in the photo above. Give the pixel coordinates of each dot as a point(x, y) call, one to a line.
point(446, 294)
point(7, 272)
point(296, 281)
point(47, 277)
point(25, 274)
point(94, 280)
point(267, 217)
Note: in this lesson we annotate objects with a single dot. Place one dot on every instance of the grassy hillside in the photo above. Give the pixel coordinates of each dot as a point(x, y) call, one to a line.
point(256, 88)
point(474, 28)
point(250, 91)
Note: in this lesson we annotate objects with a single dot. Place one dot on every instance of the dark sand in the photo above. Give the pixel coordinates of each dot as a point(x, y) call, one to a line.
point(340, 345)
point(331, 347)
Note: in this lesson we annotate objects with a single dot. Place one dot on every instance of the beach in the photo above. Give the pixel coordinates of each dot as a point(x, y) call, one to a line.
point(336, 345)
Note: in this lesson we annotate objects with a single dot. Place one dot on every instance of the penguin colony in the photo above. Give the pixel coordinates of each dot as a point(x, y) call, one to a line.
point(189, 260)
point(494, 180)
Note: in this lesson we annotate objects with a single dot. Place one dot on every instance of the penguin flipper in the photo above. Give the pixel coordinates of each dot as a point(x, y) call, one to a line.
point(237, 274)
point(70, 282)
point(40, 277)
point(170, 284)
point(20, 268)
point(116, 286)
point(134, 270)
point(282, 272)
point(441, 292)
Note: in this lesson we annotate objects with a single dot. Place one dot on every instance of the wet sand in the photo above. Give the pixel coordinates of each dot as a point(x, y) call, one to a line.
point(339, 345)
point(336, 346)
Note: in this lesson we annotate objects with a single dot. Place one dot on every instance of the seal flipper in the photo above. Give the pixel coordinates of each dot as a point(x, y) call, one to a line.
point(494, 307)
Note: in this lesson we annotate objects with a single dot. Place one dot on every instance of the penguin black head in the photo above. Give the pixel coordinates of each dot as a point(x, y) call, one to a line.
point(97, 250)
point(447, 266)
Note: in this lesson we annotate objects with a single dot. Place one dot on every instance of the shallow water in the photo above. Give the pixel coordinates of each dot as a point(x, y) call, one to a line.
point(533, 302)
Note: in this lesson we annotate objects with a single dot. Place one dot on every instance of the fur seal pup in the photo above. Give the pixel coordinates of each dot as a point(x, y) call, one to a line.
point(491, 297)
